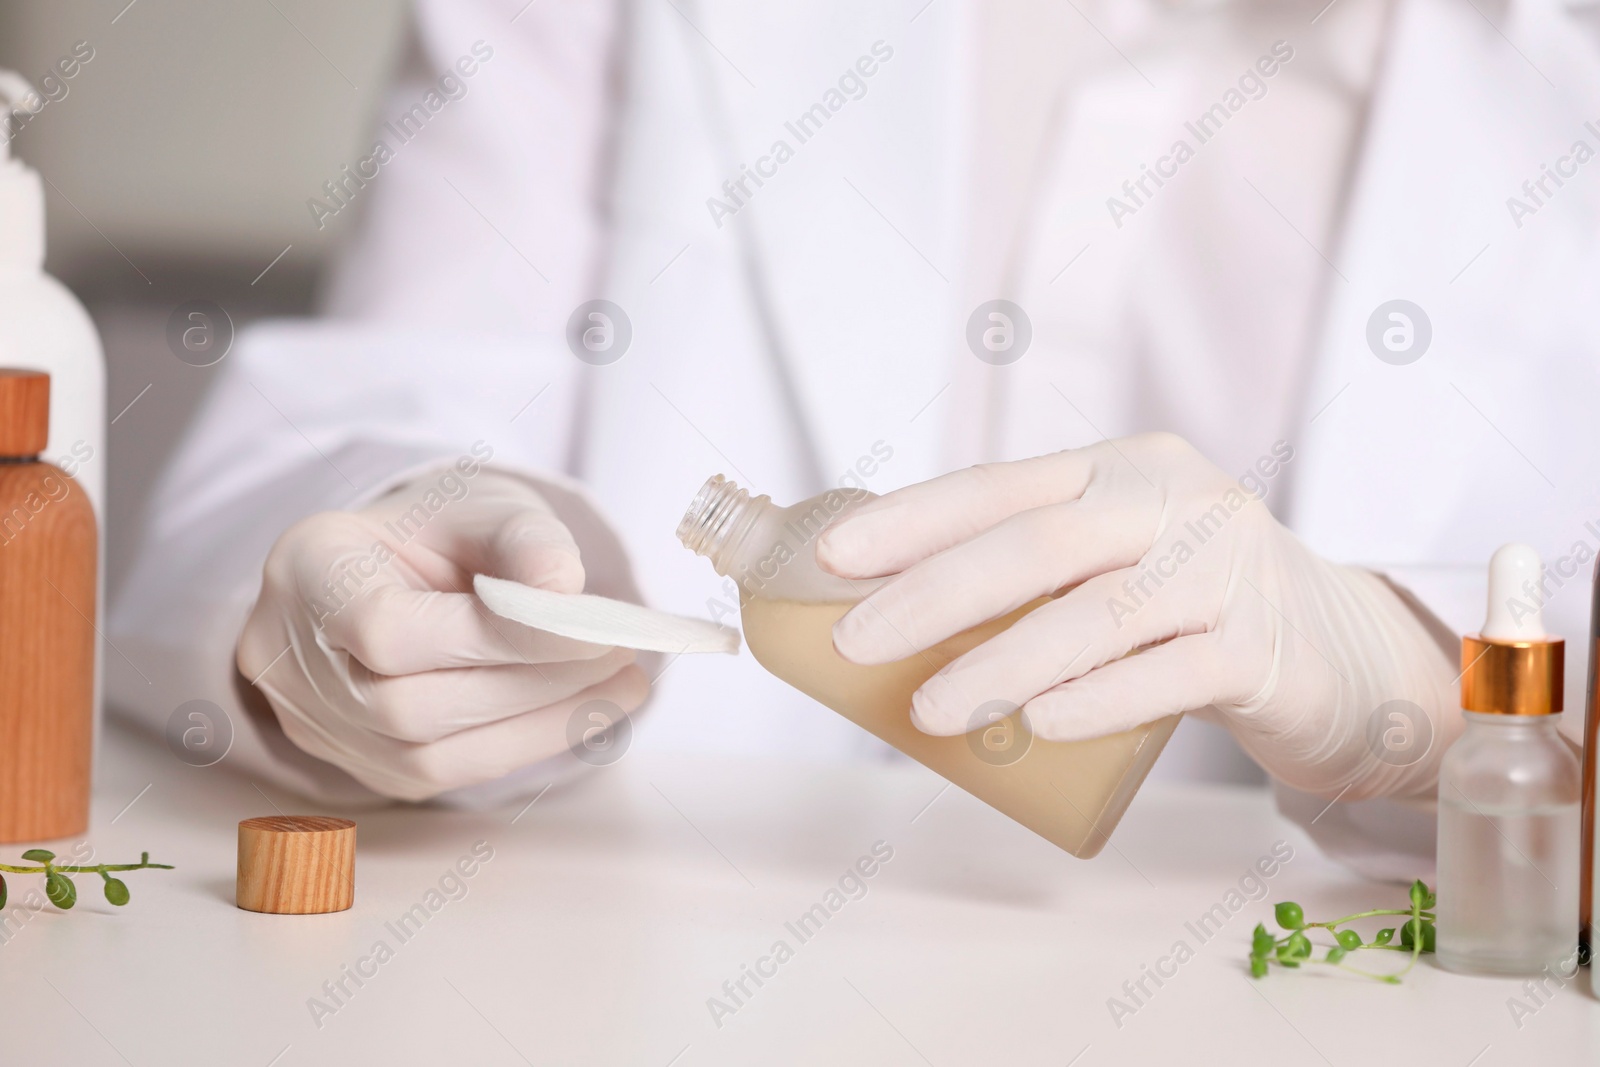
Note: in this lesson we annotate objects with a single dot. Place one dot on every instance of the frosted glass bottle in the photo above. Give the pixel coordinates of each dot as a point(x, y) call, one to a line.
point(1071, 793)
point(1508, 848)
point(1509, 793)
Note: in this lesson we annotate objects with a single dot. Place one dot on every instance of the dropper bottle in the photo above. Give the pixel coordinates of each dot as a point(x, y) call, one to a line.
point(1509, 793)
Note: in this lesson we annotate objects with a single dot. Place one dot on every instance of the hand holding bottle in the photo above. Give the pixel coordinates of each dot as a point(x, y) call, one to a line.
point(375, 655)
point(1156, 550)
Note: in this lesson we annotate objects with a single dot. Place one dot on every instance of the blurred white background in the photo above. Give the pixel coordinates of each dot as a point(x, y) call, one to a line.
point(180, 161)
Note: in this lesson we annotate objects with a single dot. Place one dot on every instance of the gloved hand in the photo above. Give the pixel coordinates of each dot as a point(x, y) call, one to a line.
point(1155, 547)
point(376, 656)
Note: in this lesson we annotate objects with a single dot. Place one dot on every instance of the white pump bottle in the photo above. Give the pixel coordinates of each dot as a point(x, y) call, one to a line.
point(42, 325)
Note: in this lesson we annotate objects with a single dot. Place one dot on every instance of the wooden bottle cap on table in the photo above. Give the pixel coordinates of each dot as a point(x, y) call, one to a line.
point(296, 864)
point(24, 412)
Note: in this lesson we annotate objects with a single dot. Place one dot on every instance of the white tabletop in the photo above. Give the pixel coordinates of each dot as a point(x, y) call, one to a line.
point(614, 909)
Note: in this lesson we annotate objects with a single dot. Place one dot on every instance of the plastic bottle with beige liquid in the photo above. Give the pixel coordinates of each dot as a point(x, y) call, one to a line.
point(1071, 793)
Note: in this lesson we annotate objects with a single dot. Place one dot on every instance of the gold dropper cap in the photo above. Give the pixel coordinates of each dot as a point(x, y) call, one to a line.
point(1512, 677)
point(1513, 667)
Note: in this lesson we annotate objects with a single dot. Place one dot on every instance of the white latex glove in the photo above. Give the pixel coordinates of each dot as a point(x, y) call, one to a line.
point(1291, 653)
point(394, 671)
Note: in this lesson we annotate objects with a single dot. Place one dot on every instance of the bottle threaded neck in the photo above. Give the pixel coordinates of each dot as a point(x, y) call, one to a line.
point(713, 515)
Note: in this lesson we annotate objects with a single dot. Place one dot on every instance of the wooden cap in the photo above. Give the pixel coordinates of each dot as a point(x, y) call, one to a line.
point(296, 864)
point(24, 412)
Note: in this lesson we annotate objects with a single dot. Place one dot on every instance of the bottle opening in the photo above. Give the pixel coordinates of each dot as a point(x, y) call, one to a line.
point(710, 516)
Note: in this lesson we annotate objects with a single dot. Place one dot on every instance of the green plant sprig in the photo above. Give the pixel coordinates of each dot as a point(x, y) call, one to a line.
point(61, 890)
point(1416, 937)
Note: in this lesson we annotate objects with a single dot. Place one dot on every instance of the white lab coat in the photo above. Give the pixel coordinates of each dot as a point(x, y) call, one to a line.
point(1231, 306)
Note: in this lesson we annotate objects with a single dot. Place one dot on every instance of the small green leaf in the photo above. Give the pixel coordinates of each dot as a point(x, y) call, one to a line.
point(1298, 947)
point(1385, 936)
point(1348, 939)
point(116, 891)
point(59, 888)
point(1335, 955)
point(1289, 963)
point(2, 891)
point(1258, 967)
point(1262, 941)
point(1420, 895)
point(1290, 915)
point(1427, 937)
point(38, 855)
